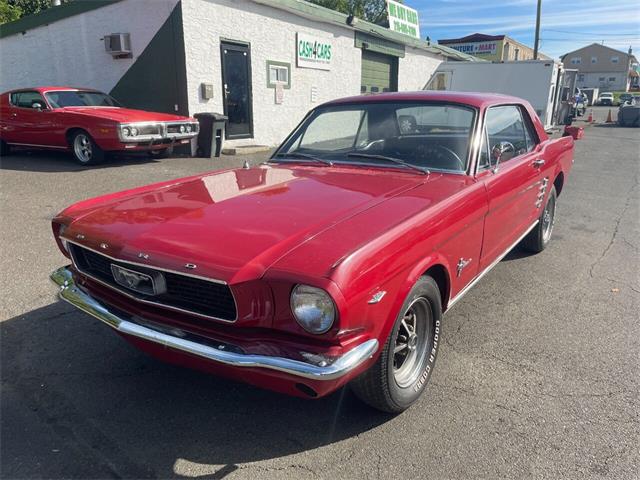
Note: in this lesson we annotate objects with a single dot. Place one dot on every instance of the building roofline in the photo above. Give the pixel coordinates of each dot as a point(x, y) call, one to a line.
point(481, 37)
point(297, 7)
point(51, 15)
point(474, 37)
point(326, 15)
point(597, 45)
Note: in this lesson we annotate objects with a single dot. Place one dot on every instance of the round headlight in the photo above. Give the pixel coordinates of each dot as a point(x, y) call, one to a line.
point(188, 128)
point(63, 242)
point(126, 132)
point(182, 128)
point(134, 131)
point(312, 308)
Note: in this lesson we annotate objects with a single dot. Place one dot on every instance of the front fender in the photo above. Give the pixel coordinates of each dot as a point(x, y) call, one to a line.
point(405, 286)
point(104, 133)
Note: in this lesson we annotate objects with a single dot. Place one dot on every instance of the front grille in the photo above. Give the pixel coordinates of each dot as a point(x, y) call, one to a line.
point(149, 130)
point(186, 293)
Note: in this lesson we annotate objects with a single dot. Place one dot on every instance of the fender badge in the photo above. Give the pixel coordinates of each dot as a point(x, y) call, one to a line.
point(190, 266)
point(462, 263)
point(80, 236)
point(144, 256)
point(104, 246)
point(377, 297)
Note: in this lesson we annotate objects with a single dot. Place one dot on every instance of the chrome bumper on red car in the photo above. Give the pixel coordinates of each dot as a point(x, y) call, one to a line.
point(213, 351)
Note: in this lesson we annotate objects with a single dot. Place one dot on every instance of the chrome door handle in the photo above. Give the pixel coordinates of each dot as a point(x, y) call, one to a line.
point(538, 163)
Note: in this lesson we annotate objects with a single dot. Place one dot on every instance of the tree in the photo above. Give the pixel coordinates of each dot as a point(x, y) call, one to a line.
point(8, 13)
point(374, 11)
point(11, 10)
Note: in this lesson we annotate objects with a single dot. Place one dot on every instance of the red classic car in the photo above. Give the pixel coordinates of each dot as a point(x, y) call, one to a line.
point(333, 262)
point(86, 122)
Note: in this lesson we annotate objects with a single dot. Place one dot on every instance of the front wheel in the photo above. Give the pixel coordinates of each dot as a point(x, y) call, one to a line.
point(406, 362)
point(85, 150)
point(538, 238)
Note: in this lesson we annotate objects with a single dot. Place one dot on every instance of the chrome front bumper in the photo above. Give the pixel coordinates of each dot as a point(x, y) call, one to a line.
point(322, 370)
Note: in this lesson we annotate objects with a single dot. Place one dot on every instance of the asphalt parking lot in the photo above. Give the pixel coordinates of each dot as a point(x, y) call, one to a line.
point(538, 376)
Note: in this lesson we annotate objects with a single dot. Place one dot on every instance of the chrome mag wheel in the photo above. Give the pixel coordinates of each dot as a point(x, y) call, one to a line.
point(83, 148)
point(411, 341)
point(548, 218)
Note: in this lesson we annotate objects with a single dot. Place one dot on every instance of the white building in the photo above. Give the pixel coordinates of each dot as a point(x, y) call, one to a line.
point(603, 67)
point(264, 63)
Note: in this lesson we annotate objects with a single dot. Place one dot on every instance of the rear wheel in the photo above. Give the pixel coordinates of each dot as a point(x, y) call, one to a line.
point(404, 366)
point(85, 150)
point(538, 238)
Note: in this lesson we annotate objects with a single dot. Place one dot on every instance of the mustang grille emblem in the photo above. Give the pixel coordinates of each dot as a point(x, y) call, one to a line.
point(147, 284)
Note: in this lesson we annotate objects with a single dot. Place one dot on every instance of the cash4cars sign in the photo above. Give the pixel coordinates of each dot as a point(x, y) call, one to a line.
point(403, 19)
point(313, 51)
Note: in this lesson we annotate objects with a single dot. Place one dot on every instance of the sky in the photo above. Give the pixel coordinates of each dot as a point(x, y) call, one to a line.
point(565, 25)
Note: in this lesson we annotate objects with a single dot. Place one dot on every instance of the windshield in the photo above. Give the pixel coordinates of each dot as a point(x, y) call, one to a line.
point(430, 136)
point(72, 98)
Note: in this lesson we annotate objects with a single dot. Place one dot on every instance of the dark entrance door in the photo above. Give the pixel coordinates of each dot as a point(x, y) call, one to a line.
point(236, 89)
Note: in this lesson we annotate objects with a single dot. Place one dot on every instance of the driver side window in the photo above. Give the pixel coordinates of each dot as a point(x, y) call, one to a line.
point(26, 99)
point(505, 124)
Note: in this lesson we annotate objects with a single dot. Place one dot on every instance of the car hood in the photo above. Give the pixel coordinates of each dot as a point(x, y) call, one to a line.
point(234, 224)
point(123, 115)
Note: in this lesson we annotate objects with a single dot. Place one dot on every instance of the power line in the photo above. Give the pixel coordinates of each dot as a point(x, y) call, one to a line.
point(596, 34)
point(594, 39)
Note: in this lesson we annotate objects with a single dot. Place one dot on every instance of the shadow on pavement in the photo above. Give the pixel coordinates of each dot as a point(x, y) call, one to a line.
point(51, 161)
point(517, 253)
point(78, 401)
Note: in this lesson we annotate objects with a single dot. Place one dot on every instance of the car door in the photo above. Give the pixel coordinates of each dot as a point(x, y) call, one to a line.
point(9, 118)
point(514, 185)
point(29, 125)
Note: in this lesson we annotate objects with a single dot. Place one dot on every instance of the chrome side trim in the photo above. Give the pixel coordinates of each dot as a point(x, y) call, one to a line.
point(461, 293)
point(36, 145)
point(339, 367)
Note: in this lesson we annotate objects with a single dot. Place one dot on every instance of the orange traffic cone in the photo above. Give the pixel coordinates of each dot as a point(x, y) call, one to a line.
point(590, 119)
point(609, 119)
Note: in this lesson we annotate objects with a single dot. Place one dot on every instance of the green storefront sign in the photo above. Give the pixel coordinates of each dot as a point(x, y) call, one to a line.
point(403, 19)
point(313, 51)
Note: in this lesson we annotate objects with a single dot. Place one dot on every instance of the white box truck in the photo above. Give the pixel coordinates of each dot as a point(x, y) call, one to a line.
point(543, 83)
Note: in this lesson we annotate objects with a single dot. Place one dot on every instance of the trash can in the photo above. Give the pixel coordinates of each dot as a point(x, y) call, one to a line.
point(211, 133)
point(629, 115)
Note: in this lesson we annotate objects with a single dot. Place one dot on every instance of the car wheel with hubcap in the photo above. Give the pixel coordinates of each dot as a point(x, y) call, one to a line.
point(538, 238)
point(85, 150)
point(404, 366)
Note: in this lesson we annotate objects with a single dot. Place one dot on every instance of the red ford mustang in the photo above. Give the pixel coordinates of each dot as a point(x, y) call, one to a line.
point(86, 122)
point(333, 262)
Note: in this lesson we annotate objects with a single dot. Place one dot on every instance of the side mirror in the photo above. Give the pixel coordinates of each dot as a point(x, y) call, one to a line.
point(36, 106)
point(498, 151)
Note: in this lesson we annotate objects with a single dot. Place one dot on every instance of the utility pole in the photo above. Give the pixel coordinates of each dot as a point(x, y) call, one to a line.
point(537, 40)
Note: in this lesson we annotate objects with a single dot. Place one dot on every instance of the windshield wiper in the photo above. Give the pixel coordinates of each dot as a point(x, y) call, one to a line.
point(305, 156)
point(372, 156)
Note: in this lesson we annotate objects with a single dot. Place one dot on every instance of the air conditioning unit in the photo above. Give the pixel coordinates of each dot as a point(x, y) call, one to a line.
point(118, 44)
